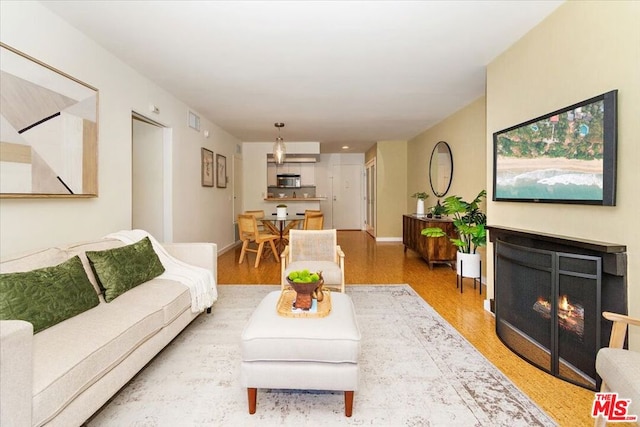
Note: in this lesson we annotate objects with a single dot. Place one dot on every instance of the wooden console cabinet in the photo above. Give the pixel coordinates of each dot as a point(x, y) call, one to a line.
point(433, 249)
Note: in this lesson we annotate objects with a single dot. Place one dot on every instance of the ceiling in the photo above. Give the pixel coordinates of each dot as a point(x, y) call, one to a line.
point(339, 72)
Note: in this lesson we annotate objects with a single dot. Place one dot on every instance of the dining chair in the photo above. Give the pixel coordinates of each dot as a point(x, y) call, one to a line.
point(259, 214)
point(264, 224)
point(249, 233)
point(314, 250)
point(313, 220)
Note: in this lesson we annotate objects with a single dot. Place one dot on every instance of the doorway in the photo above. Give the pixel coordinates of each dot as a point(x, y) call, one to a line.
point(346, 206)
point(151, 177)
point(370, 197)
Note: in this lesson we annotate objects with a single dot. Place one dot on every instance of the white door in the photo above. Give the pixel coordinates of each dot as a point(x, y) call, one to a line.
point(370, 197)
point(347, 197)
point(147, 168)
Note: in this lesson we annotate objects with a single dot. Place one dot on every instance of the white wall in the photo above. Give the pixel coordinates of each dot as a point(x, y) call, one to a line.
point(200, 214)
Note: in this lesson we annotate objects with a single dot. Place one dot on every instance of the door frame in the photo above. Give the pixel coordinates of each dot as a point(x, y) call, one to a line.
point(167, 176)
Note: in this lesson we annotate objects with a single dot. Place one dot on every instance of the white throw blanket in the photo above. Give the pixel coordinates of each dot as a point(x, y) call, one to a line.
point(200, 281)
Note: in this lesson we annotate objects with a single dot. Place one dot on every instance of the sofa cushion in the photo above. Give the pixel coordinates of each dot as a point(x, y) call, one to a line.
point(74, 354)
point(47, 296)
point(32, 260)
point(124, 268)
point(172, 297)
point(81, 248)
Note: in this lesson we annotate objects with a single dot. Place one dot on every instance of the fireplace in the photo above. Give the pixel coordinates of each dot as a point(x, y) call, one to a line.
point(550, 293)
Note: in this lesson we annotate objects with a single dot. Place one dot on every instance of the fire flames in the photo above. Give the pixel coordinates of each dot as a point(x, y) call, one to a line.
point(570, 316)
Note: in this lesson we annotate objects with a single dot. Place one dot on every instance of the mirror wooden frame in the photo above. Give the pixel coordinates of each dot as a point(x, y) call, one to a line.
point(49, 136)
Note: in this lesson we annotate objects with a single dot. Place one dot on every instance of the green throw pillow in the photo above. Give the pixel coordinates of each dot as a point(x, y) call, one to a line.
point(47, 296)
point(120, 269)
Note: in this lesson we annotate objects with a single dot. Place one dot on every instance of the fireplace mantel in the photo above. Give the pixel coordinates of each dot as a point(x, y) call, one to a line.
point(613, 254)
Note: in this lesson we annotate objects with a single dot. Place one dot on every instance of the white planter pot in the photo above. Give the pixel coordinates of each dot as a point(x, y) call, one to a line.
point(468, 265)
point(420, 207)
point(281, 212)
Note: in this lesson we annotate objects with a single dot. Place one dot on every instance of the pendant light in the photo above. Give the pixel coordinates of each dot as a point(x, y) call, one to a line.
point(279, 150)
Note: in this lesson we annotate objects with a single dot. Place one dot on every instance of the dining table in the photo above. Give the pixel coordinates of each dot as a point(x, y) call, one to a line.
point(280, 225)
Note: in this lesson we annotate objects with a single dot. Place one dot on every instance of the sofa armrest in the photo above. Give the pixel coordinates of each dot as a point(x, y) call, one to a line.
point(203, 255)
point(16, 372)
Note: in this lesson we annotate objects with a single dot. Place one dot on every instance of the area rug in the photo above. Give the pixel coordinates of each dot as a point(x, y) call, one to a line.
point(416, 370)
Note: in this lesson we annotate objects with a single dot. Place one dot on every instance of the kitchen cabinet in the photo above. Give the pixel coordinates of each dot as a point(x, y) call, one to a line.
point(307, 172)
point(432, 249)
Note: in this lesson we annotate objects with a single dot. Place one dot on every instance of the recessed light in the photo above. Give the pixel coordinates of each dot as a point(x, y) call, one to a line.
point(345, 147)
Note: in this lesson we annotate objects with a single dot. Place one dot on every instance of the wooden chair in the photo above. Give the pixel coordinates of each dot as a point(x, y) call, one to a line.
point(264, 224)
point(619, 368)
point(259, 214)
point(248, 230)
point(314, 250)
point(313, 220)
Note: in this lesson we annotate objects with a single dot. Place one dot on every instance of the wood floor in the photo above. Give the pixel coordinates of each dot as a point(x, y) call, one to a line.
point(368, 262)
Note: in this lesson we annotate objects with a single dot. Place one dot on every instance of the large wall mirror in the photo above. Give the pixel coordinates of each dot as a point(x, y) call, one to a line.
point(441, 169)
point(48, 132)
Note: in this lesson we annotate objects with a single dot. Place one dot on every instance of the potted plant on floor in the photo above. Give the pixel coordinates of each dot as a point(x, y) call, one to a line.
point(470, 223)
point(421, 197)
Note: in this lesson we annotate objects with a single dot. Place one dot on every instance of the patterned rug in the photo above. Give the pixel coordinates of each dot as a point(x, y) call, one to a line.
point(416, 370)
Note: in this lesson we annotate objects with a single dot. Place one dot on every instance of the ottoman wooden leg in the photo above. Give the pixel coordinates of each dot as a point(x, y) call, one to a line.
point(348, 403)
point(252, 394)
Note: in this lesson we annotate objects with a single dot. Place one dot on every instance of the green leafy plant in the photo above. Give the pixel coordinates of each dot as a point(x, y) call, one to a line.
point(420, 195)
point(438, 209)
point(469, 220)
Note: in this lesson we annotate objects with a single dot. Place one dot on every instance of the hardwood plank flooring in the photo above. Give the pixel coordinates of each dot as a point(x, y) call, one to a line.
point(368, 262)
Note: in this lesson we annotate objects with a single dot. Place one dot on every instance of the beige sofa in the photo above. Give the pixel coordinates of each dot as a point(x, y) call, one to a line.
point(65, 373)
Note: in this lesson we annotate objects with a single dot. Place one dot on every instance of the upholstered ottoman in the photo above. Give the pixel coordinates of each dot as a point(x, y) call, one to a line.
point(302, 353)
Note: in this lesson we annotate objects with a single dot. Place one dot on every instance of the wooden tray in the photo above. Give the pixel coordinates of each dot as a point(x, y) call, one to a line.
point(289, 295)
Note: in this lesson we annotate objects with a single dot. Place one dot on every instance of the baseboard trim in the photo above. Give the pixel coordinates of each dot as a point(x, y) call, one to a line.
point(388, 239)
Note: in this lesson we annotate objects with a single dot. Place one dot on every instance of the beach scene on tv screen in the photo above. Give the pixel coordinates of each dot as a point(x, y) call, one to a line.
point(556, 158)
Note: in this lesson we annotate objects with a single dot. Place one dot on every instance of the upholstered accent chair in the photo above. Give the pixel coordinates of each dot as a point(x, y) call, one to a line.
point(619, 368)
point(314, 250)
point(249, 233)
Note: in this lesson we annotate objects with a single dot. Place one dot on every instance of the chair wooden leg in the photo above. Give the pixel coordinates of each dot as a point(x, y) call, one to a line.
point(348, 403)
point(275, 252)
point(252, 394)
point(259, 254)
point(243, 252)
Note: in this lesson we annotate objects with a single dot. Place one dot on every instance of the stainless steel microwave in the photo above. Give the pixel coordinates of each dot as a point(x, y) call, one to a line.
point(288, 180)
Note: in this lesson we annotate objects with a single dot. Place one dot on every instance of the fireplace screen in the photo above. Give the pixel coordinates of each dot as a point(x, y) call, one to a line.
point(548, 309)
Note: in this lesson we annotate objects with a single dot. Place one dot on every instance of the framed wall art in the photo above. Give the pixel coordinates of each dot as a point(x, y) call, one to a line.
point(221, 171)
point(206, 173)
point(49, 132)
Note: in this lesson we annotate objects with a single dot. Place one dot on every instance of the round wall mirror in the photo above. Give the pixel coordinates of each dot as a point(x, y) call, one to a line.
point(441, 169)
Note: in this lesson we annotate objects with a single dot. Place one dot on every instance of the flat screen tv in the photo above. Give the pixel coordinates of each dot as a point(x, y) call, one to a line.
point(567, 156)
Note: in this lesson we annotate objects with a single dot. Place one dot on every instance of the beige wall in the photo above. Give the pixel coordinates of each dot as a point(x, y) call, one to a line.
point(465, 132)
point(199, 213)
point(391, 165)
point(582, 50)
